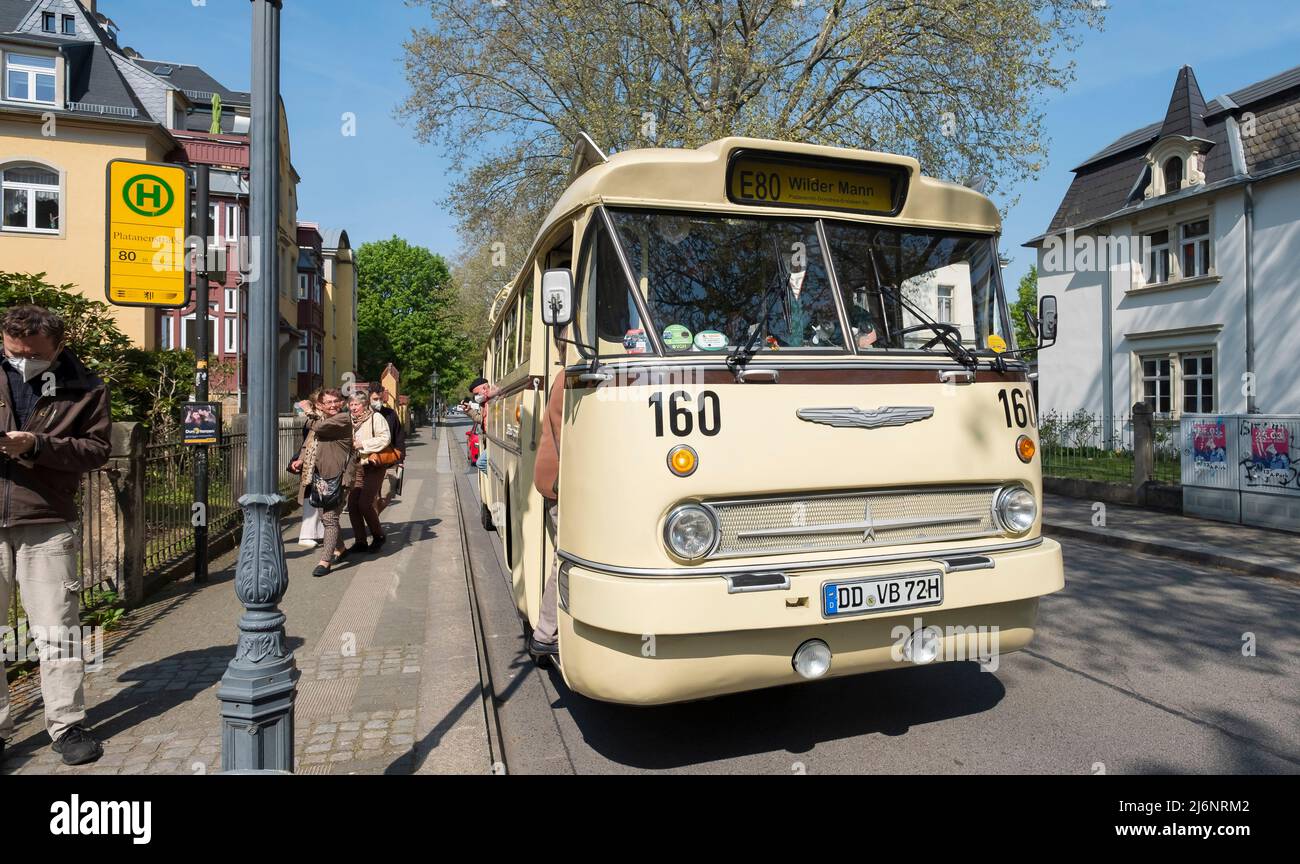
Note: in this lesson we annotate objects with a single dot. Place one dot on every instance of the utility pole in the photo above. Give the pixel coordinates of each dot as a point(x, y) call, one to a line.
point(201, 350)
point(257, 692)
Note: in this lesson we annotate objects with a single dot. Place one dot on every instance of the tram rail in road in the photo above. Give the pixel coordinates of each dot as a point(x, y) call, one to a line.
point(487, 696)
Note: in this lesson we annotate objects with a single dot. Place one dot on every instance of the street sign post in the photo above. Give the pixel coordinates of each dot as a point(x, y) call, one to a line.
point(147, 223)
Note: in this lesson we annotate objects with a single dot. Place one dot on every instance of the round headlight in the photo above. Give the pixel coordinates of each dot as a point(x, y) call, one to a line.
point(1017, 509)
point(690, 532)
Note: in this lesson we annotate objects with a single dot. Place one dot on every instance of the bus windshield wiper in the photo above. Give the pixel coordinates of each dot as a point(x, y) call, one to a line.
point(740, 357)
point(943, 333)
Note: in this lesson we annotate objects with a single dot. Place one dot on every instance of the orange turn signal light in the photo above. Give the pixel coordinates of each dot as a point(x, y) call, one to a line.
point(683, 460)
point(1025, 448)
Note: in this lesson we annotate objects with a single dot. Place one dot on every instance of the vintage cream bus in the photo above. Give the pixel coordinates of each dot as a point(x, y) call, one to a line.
point(798, 440)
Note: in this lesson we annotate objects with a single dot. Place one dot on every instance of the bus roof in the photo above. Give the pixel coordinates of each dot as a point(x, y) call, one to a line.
point(679, 178)
point(697, 179)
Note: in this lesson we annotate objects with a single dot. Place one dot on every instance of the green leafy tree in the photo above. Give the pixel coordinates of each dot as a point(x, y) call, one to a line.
point(409, 314)
point(145, 386)
point(959, 84)
point(1026, 301)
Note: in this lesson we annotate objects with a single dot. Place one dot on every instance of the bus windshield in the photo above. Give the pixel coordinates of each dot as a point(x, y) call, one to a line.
point(889, 275)
point(708, 280)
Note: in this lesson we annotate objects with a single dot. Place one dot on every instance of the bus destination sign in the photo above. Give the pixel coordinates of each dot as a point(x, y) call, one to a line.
point(772, 180)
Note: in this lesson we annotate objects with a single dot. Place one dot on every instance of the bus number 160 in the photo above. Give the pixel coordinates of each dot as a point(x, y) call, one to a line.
point(680, 419)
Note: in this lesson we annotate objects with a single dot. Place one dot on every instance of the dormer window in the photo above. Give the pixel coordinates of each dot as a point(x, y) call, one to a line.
point(47, 21)
point(29, 78)
point(69, 25)
point(1173, 174)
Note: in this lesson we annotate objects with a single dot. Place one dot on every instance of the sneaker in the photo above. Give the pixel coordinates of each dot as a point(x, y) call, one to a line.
point(308, 544)
point(77, 746)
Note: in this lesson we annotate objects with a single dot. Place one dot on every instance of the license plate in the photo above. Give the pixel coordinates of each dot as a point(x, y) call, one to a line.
point(863, 596)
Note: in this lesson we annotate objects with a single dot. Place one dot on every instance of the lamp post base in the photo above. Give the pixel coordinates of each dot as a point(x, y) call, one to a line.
point(257, 717)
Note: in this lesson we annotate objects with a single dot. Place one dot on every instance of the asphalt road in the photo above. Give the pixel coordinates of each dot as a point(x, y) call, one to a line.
point(1137, 667)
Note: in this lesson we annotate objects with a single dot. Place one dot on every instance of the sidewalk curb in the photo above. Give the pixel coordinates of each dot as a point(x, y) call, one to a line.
point(1209, 559)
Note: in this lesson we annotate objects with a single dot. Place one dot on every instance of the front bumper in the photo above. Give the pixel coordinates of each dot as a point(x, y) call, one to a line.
point(648, 641)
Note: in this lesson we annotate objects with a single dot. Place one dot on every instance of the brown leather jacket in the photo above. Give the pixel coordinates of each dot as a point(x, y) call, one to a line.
point(546, 471)
point(72, 426)
point(333, 448)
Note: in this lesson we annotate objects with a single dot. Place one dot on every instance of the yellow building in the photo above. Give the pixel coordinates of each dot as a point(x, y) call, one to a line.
point(340, 306)
point(66, 110)
point(71, 100)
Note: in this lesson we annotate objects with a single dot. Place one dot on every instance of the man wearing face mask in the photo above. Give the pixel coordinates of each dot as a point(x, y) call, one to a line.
point(54, 427)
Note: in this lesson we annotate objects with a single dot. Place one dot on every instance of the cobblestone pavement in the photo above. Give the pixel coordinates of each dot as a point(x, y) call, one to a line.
point(363, 703)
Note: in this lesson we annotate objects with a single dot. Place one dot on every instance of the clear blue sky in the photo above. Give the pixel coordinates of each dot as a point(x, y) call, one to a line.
point(342, 55)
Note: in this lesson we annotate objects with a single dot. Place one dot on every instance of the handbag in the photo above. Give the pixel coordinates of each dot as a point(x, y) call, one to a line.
point(326, 492)
point(384, 458)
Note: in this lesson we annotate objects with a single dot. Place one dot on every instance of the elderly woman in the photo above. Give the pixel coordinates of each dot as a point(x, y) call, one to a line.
point(313, 530)
point(370, 435)
point(327, 454)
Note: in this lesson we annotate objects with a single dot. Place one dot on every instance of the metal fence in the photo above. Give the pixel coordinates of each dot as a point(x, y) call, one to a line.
point(1077, 445)
point(147, 492)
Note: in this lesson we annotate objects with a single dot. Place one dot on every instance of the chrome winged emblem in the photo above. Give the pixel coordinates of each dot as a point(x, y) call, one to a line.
point(888, 415)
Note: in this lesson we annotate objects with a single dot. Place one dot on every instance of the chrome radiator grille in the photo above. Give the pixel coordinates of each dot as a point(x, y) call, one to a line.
point(853, 520)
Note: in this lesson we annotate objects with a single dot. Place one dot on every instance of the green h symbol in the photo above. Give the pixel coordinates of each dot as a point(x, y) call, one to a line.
point(141, 195)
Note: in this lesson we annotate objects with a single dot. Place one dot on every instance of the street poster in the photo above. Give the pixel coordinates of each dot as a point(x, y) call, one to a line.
point(1269, 465)
point(202, 423)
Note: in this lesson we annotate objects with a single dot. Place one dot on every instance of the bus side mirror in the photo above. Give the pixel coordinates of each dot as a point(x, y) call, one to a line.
point(557, 297)
point(1046, 321)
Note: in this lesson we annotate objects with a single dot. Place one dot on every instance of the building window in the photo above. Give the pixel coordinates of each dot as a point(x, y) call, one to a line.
point(1156, 267)
point(69, 25)
point(1173, 174)
point(165, 341)
point(1156, 384)
point(945, 303)
point(231, 328)
point(1196, 248)
point(315, 288)
point(47, 22)
point(31, 199)
point(318, 358)
point(189, 336)
point(29, 78)
point(302, 352)
point(1198, 383)
point(232, 222)
point(304, 285)
point(232, 299)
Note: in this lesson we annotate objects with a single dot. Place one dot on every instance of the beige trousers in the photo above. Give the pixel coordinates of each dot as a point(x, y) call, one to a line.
point(548, 624)
point(42, 561)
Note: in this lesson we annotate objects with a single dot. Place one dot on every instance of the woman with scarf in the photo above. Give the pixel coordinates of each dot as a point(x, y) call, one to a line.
point(327, 456)
point(370, 436)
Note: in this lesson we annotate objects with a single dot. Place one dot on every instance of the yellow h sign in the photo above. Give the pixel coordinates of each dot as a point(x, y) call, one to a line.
point(148, 212)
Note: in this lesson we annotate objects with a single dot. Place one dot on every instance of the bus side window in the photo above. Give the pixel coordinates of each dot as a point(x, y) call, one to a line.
point(618, 325)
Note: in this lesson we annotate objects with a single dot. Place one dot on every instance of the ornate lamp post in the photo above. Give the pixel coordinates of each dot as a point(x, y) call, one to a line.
point(257, 691)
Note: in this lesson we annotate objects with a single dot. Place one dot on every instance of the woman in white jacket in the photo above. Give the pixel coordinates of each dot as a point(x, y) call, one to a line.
point(370, 435)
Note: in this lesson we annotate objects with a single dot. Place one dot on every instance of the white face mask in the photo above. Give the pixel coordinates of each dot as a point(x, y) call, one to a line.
point(376, 404)
point(29, 367)
point(480, 398)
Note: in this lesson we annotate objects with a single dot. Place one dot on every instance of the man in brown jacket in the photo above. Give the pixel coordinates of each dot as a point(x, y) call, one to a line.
point(546, 477)
point(54, 427)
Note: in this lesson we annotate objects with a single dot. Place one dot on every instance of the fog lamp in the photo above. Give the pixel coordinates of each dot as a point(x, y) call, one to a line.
point(812, 659)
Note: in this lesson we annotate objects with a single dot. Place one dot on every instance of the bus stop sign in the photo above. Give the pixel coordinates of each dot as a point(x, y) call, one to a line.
point(146, 226)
